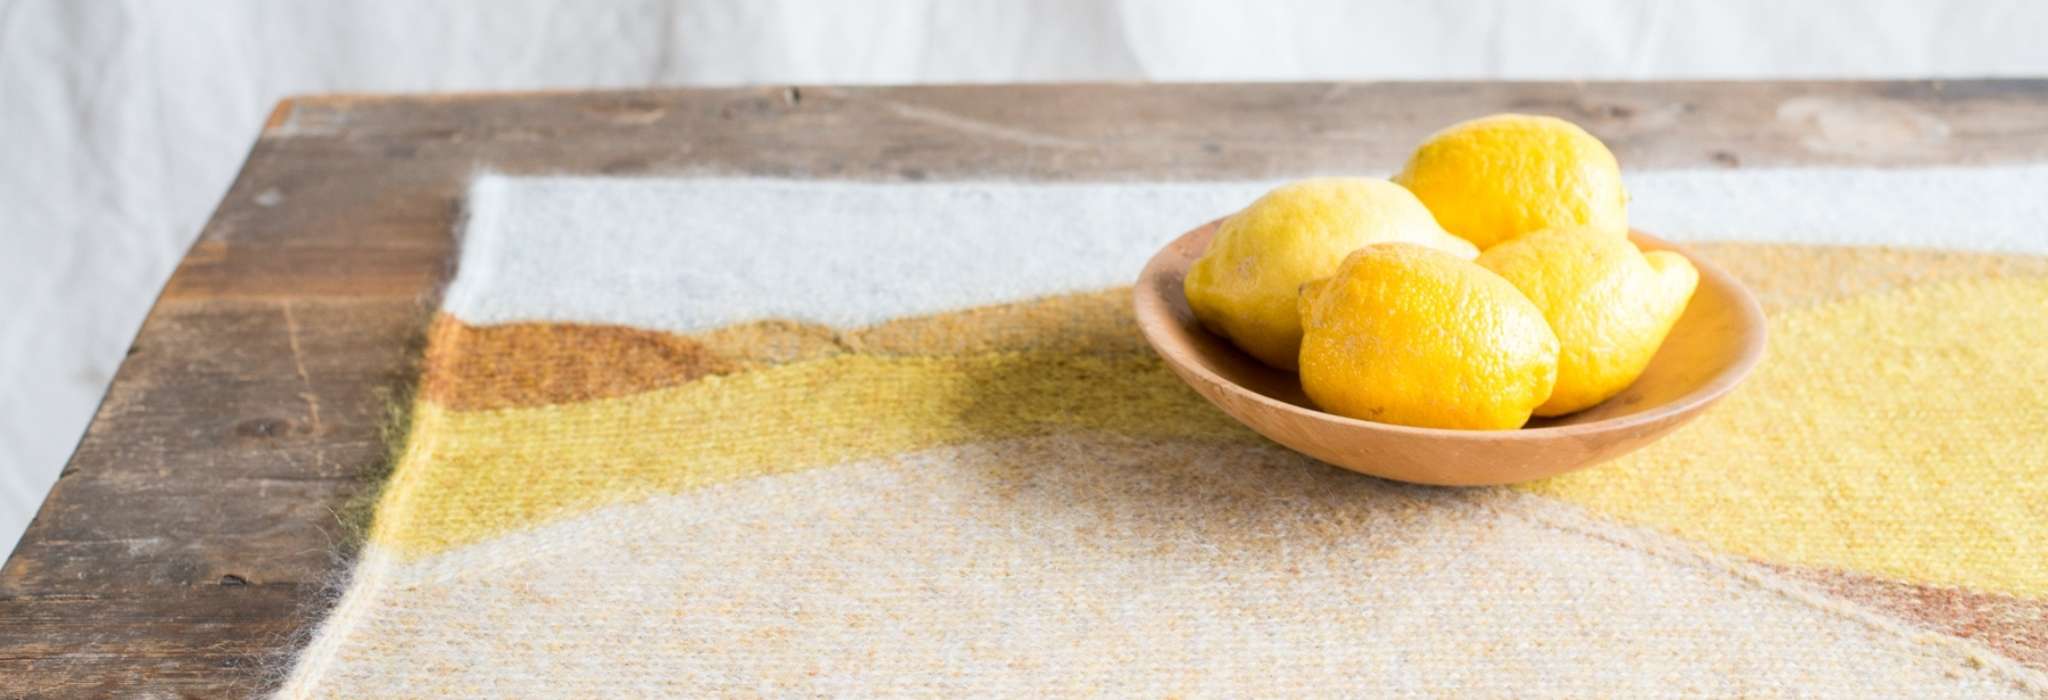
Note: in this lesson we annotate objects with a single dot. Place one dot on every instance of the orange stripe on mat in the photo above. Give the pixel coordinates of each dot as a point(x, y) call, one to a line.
point(538, 364)
point(2012, 626)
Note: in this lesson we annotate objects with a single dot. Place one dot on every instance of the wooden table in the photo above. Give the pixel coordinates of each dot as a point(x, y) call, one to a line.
point(197, 532)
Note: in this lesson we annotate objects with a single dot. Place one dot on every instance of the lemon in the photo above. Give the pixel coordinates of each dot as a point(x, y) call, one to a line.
point(1410, 335)
point(1491, 179)
point(1610, 305)
point(1245, 286)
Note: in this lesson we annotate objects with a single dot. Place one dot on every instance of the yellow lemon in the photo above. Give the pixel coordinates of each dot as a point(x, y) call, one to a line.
point(1410, 335)
point(1491, 179)
point(1245, 286)
point(1610, 305)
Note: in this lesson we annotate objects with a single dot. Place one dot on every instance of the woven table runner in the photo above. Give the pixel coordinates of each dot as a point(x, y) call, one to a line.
point(760, 437)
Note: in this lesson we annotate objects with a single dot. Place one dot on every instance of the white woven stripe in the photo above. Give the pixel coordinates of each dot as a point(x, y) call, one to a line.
point(690, 254)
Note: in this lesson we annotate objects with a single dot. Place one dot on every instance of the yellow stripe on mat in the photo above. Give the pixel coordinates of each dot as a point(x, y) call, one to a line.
point(1900, 434)
point(472, 474)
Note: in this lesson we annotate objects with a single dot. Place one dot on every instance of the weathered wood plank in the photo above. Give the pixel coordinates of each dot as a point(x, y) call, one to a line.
point(188, 541)
point(200, 641)
point(235, 429)
point(193, 532)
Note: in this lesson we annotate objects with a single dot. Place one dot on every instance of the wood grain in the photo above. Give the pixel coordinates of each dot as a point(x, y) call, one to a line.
point(188, 543)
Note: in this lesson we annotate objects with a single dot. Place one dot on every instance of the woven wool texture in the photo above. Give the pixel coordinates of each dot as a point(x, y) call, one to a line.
point(749, 437)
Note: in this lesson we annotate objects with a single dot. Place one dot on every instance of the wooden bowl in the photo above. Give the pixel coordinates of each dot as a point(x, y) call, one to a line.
point(1712, 347)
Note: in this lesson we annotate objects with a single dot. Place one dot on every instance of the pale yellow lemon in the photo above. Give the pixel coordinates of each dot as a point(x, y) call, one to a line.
point(1414, 336)
point(1245, 285)
point(1493, 178)
point(1610, 304)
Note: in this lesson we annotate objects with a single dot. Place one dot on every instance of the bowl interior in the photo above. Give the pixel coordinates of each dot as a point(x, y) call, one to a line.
point(1712, 345)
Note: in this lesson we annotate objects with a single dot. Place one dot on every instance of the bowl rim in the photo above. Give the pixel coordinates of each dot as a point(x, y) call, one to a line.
point(1148, 302)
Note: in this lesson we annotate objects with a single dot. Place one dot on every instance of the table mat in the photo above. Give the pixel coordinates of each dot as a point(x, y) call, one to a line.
point(771, 437)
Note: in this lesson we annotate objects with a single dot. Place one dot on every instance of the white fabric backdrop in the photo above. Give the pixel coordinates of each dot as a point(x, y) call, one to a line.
point(122, 122)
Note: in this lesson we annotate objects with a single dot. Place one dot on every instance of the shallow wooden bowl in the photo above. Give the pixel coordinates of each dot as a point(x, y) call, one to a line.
point(1709, 351)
